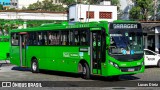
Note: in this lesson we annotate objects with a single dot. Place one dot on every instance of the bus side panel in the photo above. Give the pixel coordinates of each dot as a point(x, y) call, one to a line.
point(58, 58)
point(4, 49)
point(15, 55)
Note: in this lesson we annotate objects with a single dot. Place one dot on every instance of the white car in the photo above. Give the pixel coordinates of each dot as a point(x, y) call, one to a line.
point(151, 58)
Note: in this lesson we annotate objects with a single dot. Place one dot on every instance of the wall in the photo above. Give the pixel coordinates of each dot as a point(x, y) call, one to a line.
point(78, 12)
point(33, 16)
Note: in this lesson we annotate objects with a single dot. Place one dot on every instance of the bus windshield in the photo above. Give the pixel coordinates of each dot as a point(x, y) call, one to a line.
point(126, 43)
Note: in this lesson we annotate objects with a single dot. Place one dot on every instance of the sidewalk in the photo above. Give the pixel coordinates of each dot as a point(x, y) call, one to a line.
point(4, 61)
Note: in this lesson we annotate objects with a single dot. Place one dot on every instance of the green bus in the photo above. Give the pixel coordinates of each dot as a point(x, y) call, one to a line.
point(90, 48)
point(4, 47)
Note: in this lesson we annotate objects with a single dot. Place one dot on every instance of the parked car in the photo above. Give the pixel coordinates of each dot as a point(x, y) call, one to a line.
point(151, 58)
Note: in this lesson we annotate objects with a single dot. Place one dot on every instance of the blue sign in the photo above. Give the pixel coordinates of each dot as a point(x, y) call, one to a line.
point(132, 52)
point(5, 2)
point(124, 51)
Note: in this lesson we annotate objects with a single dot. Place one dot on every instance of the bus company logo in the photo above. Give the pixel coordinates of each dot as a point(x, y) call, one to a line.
point(6, 84)
point(66, 54)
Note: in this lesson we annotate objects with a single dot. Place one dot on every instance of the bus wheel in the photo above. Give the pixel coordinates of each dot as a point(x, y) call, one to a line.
point(158, 64)
point(85, 72)
point(34, 66)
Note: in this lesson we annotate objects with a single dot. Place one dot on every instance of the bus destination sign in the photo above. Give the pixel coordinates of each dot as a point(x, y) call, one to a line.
point(124, 26)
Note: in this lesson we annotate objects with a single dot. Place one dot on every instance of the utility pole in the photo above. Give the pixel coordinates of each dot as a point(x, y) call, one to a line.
point(155, 9)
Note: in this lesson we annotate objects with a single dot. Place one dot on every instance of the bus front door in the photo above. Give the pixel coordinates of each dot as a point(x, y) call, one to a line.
point(22, 44)
point(96, 46)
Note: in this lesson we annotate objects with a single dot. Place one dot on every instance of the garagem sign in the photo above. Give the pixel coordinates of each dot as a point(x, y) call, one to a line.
point(120, 26)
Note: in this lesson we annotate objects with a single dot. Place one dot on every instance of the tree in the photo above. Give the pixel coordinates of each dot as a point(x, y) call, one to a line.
point(115, 2)
point(68, 2)
point(46, 5)
point(142, 9)
point(1, 7)
point(135, 13)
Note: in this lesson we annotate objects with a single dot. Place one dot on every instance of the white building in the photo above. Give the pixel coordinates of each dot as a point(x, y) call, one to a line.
point(33, 15)
point(87, 13)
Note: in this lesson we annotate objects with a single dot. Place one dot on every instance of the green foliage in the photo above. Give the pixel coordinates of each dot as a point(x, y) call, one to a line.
point(135, 13)
point(1, 7)
point(158, 10)
point(115, 2)
point(14, 24)
point(142, 10)
point(12, 9)
point(46, 5)
point(68, 2)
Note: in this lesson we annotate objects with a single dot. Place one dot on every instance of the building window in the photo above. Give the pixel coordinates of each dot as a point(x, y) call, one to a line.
point(15, 4)
point(89, 14)
point(105, 15)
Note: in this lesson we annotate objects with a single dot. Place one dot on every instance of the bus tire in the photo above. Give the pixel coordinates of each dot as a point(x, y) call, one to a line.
point(158, 64)
point(86, 71)
point(34, 66)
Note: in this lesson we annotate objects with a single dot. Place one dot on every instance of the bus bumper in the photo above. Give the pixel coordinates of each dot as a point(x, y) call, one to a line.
point(130, 68)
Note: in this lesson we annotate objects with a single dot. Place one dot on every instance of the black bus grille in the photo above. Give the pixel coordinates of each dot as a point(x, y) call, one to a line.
point(130, 69)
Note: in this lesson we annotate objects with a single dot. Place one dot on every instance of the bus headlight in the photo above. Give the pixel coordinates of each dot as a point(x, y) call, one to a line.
point(114, 64)
point(111, 62)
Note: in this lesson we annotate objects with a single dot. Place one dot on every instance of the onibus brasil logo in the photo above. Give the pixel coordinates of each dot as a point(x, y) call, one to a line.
point(21, 84)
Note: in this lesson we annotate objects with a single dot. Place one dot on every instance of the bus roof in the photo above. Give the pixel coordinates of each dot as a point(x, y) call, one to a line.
point(62, 26)
point(66, 25)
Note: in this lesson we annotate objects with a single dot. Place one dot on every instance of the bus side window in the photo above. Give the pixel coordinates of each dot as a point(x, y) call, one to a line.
point(84, 39)
point(49, 38)
point(42, 38)
point(76, 36)
point(14, 39)
point(70, 36)
point(32, 39)
point(64, 38)
point(54, 38)
point(57, 37)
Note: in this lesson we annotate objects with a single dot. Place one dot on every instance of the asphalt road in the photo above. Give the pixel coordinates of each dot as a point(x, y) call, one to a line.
point(13, 73)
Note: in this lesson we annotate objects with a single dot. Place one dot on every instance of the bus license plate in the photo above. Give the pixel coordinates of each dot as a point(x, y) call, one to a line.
point(130, 69)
